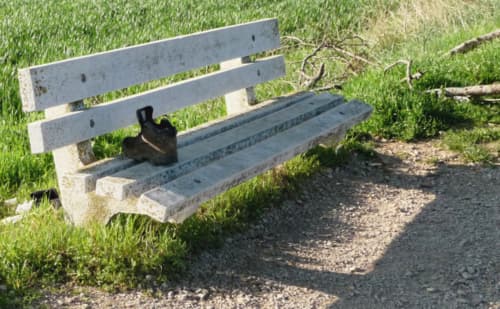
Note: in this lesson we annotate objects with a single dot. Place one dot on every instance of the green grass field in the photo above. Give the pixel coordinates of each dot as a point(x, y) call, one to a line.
point(43, 250)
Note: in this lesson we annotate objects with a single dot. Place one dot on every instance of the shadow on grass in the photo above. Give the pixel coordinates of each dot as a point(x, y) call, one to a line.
point(448, 255)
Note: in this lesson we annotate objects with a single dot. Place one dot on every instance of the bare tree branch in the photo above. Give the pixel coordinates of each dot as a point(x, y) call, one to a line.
point(312, 69)
point(306, 59)
point(405, 62)
point(409, 76)
point(476, 90)
point(296, 39)
point(312, 81)
point(348, 53)
point(328, 87)
point(491, 100)
point(473, 43)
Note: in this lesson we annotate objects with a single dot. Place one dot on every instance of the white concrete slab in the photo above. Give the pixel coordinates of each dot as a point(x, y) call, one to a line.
point(50, 134)
point(179, 198)
point(66, 81)
point(142, 177)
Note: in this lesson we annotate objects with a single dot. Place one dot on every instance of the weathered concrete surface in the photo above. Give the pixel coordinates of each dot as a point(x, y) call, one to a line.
point(57, 83)
point(142, 177)
point(178, 199)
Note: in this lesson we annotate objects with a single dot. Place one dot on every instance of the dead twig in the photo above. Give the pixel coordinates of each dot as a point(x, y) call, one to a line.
point(312, 67)
point(491, 100)
point(473, 43)
point(409, 76)
point(328, 87)
point(348, 53)
point(314, 79)
point(475, 91)
point(306, 59)
point(294, 86)
point(296, 39)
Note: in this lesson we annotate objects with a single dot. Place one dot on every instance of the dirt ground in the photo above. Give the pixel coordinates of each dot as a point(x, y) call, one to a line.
point(412, 228)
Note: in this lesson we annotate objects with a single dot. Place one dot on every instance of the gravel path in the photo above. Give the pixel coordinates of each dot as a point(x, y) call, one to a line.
point(412, 228)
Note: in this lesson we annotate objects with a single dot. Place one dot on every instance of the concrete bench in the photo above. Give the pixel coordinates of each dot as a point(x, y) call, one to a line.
point(212, 157)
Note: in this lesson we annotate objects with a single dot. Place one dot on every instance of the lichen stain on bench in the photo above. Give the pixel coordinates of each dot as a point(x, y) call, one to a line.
point(212, 157)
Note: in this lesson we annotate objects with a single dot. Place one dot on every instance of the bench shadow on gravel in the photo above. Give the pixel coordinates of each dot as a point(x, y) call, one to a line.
point(447, 256)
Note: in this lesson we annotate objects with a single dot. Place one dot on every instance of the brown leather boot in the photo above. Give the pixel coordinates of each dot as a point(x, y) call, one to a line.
point(156, 143)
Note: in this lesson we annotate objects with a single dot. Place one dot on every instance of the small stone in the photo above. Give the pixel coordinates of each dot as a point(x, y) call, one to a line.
point(69, 300)
point(149, 277)
point(164, 286)
point(203, 294)
point(461, 292)
point(477, 299)
point(12, 219)
point(462, 300)
point(10, 202)
point(24, 207)
point(466, 275)
point(464, 242)
point(183, 297)
point(357, 270)
point(431, 290)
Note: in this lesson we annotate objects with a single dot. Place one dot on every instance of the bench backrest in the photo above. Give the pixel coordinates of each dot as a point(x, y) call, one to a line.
point(45, 87)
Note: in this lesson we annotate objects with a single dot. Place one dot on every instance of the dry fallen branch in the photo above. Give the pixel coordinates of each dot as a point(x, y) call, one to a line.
point(491, 100)
point(311, 82)
point(296, 39)
point(312, 67)
point(348, 53)
point(409, 76)
point(304, 63)
point(475, 91)
point(473, 43)
point(329, 87)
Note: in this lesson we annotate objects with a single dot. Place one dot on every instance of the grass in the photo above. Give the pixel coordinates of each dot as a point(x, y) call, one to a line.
point(43, 250)
point(476, 145)
point(408, 115)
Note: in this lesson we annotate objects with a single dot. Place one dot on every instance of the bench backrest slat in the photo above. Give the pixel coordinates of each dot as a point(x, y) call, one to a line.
point(71, 80)
point(51, 134)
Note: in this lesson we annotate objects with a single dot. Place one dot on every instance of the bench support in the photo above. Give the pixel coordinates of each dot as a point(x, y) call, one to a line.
point(238, 101)
point(68, 160)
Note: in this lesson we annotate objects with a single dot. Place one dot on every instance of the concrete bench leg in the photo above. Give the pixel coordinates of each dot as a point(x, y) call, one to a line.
point(79, 208)
point(238, 101)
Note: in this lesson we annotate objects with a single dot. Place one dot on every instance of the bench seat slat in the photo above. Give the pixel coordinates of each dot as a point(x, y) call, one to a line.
point(46, 135)
point(85, 180)
point(142, 177)
point(179, 198)
point(61, 82)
